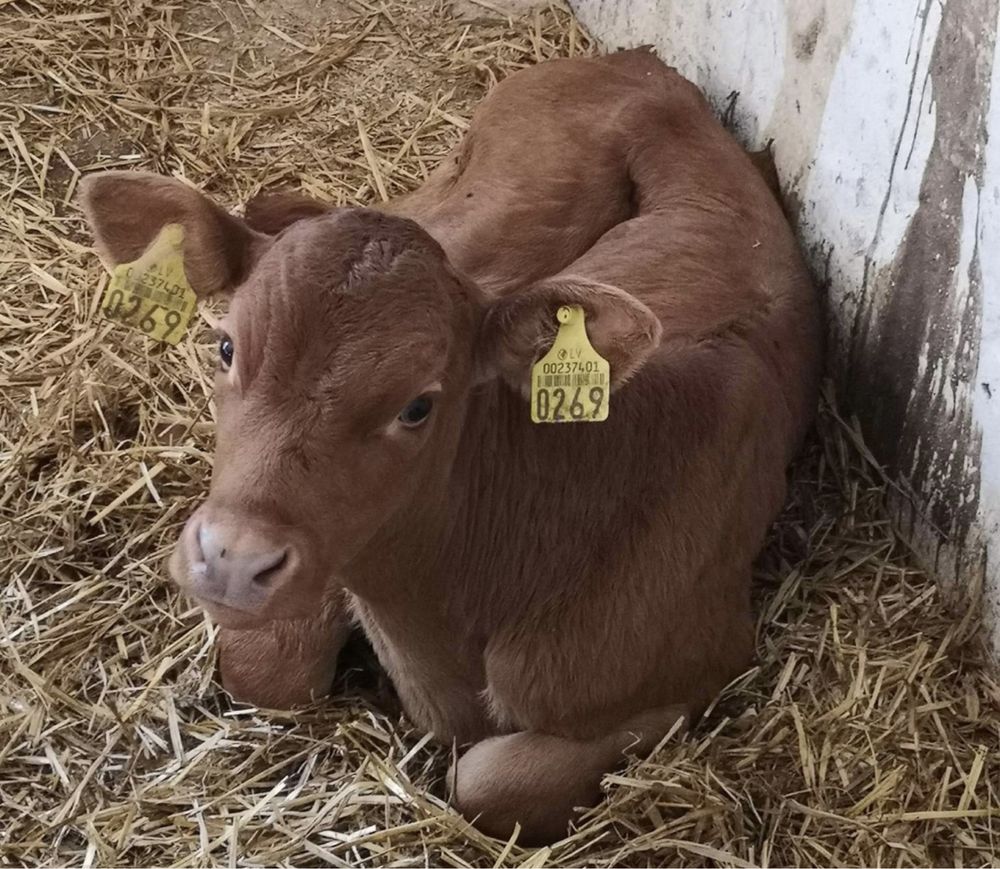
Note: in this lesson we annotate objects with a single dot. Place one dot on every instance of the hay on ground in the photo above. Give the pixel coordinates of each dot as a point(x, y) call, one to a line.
point(865, 735)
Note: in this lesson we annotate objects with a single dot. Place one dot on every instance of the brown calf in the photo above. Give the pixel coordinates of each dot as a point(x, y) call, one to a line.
point(554, 594)
point(505, 216)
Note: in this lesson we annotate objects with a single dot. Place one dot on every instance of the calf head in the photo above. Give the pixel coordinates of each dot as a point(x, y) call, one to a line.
point(345, 364)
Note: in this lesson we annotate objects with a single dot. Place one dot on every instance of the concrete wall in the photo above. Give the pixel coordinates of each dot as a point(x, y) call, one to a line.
point(888, 148)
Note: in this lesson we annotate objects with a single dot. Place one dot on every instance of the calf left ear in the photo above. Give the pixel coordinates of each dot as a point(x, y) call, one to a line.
point(519, 329)
point(127, 210)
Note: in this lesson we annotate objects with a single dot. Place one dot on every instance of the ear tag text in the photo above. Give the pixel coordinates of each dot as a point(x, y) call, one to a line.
point(572, 381)
point(152, 294)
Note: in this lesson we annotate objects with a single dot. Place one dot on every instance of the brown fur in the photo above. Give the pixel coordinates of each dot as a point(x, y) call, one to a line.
point(553, 593)
point(286, 662)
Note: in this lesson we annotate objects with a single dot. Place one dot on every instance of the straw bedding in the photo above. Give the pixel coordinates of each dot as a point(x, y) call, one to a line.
point(866, 734)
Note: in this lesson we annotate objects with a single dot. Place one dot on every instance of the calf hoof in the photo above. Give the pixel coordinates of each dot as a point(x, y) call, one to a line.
point(539, 781)
point(530, 779)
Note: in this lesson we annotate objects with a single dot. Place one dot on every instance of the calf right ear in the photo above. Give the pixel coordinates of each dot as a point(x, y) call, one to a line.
point(270, 213)
point(519, 329)
point(127, 210)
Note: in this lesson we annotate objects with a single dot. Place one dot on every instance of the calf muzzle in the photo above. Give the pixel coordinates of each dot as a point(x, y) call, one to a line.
point(240, 570)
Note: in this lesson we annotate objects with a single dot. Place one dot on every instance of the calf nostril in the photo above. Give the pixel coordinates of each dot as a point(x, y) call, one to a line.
point(263, 577)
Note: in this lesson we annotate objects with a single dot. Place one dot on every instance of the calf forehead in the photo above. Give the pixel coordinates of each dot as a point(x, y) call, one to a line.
point(352, 263)
point(349, 285)
point(352, 250)
point(351, 246)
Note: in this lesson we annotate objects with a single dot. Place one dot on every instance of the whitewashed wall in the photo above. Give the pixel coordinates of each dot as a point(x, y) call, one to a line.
point(888, 148)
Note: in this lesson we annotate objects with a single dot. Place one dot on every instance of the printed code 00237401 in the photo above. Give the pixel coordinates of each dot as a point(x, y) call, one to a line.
point(590, 379)
point(167, 300)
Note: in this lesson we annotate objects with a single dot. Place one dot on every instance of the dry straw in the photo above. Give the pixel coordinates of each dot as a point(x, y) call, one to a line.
point(866, 735)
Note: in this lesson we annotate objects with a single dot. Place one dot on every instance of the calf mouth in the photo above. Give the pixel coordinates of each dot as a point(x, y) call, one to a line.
point(226, 616)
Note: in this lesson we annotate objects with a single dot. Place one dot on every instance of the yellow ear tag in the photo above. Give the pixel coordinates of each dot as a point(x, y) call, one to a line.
point(152, 294)
point(571, 382)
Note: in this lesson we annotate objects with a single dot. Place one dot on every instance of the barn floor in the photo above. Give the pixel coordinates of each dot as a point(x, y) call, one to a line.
point(866, 735)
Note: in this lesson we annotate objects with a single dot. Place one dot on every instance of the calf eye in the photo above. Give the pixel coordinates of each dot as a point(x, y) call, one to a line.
point(226, 350)
point(416, 411)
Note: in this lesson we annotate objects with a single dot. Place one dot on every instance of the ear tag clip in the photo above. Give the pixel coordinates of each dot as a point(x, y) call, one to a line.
point(152, 294)
point(571, 382)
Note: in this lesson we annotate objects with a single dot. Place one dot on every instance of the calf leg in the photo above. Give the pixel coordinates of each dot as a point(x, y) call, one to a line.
point(538, 780)
point(286, 663)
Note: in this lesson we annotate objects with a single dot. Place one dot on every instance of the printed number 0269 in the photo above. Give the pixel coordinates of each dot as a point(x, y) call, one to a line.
point(551, 404)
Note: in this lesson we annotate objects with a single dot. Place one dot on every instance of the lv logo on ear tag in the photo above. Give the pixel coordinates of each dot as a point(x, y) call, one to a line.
point(152, 294)
point(572, 381)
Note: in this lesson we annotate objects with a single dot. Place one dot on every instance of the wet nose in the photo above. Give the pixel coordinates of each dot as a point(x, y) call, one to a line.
point(236, 566)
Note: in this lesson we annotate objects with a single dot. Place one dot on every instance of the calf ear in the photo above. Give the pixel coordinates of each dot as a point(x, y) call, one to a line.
point(519, 329)
point(127, 210)
point(270, 213)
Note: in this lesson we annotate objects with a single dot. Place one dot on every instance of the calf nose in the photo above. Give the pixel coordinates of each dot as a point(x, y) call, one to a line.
point(236, 567)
